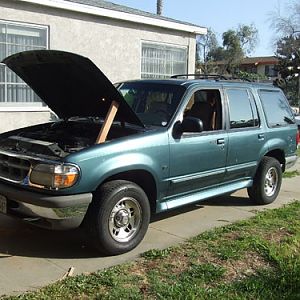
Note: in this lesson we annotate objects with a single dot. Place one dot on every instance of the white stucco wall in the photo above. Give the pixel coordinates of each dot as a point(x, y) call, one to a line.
point(12, 120)
point(113, 45)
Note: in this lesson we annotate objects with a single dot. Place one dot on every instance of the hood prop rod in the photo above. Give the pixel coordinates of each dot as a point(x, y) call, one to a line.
point(108, 122)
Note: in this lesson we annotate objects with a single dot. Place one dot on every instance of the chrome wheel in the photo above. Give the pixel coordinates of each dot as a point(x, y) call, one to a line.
point(271, 182)
point(266, 182)
point(125, 219)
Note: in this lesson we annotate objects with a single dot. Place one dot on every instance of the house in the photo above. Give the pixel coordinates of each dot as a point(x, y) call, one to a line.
point(124, 43)
point(263, 65)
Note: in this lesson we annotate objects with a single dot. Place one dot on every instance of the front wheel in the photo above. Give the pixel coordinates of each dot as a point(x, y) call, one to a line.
point(267, 181)
point(118, 217)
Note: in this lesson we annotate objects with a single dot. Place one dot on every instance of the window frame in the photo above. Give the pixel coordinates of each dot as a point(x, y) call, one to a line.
point(24, 106)
point(163, 45)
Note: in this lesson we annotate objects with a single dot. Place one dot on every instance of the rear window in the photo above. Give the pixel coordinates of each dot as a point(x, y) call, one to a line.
point(276, 108)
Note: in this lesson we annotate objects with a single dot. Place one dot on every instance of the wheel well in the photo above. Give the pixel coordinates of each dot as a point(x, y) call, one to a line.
point(142, 178)
point(279, 155)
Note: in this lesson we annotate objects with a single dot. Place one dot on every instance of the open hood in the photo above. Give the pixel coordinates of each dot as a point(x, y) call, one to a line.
point(70, 84)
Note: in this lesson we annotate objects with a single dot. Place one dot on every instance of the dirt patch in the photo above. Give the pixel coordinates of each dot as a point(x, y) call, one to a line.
point(233, 235)
point(247, 266)
point(140, 269)
point(278, 236)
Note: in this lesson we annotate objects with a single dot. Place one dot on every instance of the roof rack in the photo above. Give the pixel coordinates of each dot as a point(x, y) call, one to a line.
point(211, 76)
point(278, 82)
point(200, 76)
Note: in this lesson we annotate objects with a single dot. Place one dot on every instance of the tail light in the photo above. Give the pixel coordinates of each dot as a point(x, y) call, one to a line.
point(297, 137)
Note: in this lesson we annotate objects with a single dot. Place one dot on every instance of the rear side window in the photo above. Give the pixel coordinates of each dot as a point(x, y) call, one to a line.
point(276, 108)
point(242, 109)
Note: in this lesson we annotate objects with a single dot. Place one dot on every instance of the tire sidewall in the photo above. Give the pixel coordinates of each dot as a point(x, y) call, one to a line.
point(267, 164)
point(107, 201)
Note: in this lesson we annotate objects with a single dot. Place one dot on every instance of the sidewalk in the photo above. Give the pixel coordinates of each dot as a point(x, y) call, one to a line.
point(31, 258)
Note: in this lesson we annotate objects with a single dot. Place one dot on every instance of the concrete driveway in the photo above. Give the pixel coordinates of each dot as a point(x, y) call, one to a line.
point(31, 258)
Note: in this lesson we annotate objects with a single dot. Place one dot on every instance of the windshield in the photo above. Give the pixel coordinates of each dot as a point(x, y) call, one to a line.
point(154, 103)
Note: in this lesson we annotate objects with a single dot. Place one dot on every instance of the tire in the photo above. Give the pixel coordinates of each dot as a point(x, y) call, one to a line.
point(118, 217)
point(267, 181)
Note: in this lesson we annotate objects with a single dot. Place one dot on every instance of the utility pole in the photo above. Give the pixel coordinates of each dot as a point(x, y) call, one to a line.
point(159, 7)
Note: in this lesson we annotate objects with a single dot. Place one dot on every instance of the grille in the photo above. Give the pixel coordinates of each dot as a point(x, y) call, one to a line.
point(13, 168)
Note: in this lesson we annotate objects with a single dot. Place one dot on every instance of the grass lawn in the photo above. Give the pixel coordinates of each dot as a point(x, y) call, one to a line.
point(254, 259)
point(290, 174)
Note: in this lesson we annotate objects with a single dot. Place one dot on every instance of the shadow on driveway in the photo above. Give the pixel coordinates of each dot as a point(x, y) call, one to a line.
point(20, 239)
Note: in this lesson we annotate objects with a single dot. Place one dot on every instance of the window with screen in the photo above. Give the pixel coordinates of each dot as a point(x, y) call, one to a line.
point(163, 61)
point(16, 38)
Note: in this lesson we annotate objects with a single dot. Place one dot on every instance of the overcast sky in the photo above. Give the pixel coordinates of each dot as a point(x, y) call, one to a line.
point(221, 15)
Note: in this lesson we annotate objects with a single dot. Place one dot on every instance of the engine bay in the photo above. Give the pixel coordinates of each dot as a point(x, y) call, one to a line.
point(59, 139)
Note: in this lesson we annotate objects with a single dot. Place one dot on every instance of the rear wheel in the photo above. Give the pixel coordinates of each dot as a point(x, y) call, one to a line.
point(118, 217)
point(267, 181)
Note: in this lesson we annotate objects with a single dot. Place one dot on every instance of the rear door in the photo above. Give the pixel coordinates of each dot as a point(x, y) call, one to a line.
point(246, 137)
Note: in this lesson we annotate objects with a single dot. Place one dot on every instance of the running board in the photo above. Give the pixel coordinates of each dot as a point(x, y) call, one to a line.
point(205, 194)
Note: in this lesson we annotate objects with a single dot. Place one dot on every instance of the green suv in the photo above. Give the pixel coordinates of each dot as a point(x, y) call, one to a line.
point(119, 153)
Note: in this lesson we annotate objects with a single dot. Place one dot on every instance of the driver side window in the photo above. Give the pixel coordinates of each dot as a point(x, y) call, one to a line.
point(206, 106)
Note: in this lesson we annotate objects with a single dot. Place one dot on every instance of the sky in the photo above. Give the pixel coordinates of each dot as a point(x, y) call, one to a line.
point(221, 15)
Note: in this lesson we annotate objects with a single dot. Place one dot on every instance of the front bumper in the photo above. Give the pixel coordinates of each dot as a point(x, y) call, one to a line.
point(43, 210)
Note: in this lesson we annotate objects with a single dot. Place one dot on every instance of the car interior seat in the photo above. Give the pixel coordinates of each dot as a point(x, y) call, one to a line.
point(203, 111)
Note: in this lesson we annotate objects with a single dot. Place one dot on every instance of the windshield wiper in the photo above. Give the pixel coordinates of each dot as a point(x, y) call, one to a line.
point(288, 120)
point(79, 118)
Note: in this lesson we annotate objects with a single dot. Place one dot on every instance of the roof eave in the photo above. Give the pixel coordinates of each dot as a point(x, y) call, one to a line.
point(103, 12)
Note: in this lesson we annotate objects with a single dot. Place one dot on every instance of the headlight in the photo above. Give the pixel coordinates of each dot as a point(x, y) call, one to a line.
point(54, 176)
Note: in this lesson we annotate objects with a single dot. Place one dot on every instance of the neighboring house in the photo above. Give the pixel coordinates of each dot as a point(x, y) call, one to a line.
point(124, 43)
point(264, 65)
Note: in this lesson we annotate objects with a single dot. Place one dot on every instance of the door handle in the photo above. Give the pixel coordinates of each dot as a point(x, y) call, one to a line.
point(220, 141)
point(261, 136)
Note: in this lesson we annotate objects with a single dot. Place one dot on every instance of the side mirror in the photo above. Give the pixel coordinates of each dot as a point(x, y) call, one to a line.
point(191, 124)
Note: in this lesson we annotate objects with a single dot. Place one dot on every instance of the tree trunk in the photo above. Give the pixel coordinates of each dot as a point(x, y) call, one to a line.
point(159, 6)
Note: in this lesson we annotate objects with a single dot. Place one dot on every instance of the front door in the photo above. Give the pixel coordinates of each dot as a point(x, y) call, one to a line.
point(198, 159)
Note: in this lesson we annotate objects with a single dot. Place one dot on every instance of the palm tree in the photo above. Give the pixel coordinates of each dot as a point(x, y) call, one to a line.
point(159, 6)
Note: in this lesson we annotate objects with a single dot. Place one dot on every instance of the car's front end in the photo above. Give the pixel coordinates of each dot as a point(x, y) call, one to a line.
point(33, 176)
point(38, 183)
point(40, 172)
